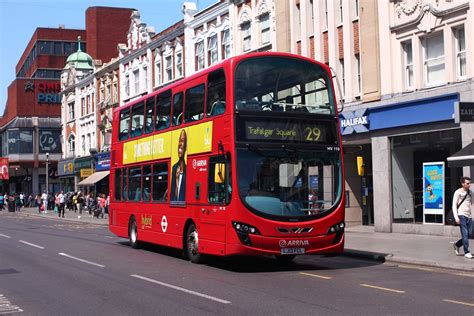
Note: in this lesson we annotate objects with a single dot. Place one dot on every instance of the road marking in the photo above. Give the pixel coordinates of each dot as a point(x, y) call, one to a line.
point(382, 288)
point(465, 275)
point(6, 307)
point(416, 268)
point(316, 276)
point(212, 298)
point(459, 302)
point(30, 244)
point(81, 260)
point(5, 236)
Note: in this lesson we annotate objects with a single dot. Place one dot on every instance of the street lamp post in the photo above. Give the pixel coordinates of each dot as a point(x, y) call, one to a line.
point(47, 173)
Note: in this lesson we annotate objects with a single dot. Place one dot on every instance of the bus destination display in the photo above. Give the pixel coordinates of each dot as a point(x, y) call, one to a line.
point(286, 131)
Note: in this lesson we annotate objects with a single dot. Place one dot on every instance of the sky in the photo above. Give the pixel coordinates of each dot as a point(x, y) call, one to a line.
point(20, 18)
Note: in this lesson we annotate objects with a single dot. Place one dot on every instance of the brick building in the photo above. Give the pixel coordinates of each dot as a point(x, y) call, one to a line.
point(30, 127)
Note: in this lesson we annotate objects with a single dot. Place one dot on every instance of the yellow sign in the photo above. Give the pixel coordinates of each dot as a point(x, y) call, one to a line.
point(199, 140)
point(86, 172)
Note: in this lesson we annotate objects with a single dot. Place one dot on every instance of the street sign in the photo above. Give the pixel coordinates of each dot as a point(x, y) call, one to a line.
point(463, 112)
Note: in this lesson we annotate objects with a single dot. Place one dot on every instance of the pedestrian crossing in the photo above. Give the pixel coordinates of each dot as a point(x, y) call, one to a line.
point(6, 307)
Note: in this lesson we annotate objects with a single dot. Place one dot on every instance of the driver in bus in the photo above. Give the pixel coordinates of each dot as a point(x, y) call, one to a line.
point(178, 174)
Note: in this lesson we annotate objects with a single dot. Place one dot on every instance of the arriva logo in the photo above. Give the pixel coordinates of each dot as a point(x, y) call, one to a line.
point(293, 243)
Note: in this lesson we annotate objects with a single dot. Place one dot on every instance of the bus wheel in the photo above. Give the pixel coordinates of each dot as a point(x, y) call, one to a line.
point(192, 243)
point(133, 234)
point(285, 259)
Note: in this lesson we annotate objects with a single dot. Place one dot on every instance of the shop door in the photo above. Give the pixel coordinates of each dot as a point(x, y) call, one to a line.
point(367, 187)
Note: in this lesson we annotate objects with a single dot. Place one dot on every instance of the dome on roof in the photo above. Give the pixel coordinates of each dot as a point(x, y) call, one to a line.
point(80, 60)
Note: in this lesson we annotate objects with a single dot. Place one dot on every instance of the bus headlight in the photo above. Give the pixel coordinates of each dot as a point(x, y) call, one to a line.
point(336, 228)
point(243, 231)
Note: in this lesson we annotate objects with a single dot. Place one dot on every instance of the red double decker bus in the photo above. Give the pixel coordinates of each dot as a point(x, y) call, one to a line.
point(243, 158)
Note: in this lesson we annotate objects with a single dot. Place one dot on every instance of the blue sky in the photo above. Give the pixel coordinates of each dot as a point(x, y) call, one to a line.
point(20, 18)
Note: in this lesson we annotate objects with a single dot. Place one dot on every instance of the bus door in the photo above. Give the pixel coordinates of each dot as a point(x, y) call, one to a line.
point(213, 214)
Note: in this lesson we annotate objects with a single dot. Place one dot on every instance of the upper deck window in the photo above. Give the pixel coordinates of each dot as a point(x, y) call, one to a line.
point(194, 109)
point(283, 84)
point(138, 119)
point(163, 109)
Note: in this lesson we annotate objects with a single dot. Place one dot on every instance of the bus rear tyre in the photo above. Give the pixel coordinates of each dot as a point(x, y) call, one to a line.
point(192, 245)
point(133, 234)
point(285, 259)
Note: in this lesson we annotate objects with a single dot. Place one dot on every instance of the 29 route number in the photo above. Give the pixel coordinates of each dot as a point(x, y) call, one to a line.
point(312, 134)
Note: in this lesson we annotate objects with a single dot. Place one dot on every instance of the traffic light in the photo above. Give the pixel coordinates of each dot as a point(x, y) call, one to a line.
point(360, 166)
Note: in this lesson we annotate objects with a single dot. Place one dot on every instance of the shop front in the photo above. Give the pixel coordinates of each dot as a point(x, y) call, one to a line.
point(66, 175)
point(396, 164)
point(97, 180)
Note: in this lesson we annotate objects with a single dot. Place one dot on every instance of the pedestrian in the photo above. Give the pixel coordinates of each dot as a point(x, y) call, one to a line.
point(62, 203)
point(462, 214)
point(2, 202)
point(80, 202)
point(44, 197)
point(39, 202)
point(102, 202)
point(74, 202)
point(17, 202)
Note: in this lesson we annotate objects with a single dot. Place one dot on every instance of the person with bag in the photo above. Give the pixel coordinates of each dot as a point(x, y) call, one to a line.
point(463, 216)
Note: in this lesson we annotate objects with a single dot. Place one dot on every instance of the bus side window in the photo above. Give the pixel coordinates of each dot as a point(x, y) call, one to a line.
point(118, 184)
point(178, 109)
point(219, 189)
point(162, 110)
point(146, 183)
point(138, 119)
point(160, 182)
point(134, 184)
point(124, 124)
point(216, 93)
point(124, 184)
point(149, 115)
point(194, 109)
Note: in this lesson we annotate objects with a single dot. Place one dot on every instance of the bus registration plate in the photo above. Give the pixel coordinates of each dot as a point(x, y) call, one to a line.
point(292, 251)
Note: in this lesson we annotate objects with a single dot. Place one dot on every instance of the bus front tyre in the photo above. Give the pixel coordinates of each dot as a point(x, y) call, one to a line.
point(192, 245)
point(133, 234)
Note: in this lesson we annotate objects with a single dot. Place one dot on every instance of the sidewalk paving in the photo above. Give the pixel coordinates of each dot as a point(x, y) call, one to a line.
point(361, 242)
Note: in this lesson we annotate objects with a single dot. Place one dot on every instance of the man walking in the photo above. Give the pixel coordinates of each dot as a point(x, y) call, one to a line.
point(62, 203)
point(462, 214)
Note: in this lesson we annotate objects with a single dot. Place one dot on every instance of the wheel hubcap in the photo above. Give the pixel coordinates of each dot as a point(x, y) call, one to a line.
point(193, 242)
point(133, 233)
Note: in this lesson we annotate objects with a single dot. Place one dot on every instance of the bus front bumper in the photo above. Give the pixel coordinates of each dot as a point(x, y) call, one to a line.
point(261, 245)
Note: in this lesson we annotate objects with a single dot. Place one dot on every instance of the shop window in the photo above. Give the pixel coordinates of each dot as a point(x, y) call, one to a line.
point(409, 153)
point(160, 182)
point(194, 109)
point(163, 109)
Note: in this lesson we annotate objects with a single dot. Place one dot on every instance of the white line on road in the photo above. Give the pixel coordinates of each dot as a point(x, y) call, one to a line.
point(212, 298)
point(458, 302)
point(81, 260)
point(382, 288)
point(30, 244)
point(5, 236)
point(316, 276)
point(6, 307)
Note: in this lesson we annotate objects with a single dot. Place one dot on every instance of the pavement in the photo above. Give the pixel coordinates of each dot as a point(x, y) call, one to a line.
point(361, 242)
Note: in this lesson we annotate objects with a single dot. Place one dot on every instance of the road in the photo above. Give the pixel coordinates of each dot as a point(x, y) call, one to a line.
point(54, 267)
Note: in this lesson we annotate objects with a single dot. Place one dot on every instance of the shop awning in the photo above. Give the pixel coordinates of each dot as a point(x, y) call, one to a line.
point(94, 178)
point(464, 157)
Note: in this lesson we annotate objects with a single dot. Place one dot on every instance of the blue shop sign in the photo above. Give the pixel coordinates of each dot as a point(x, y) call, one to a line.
point(354, 121)
point(102, 162)
point(430, 110)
